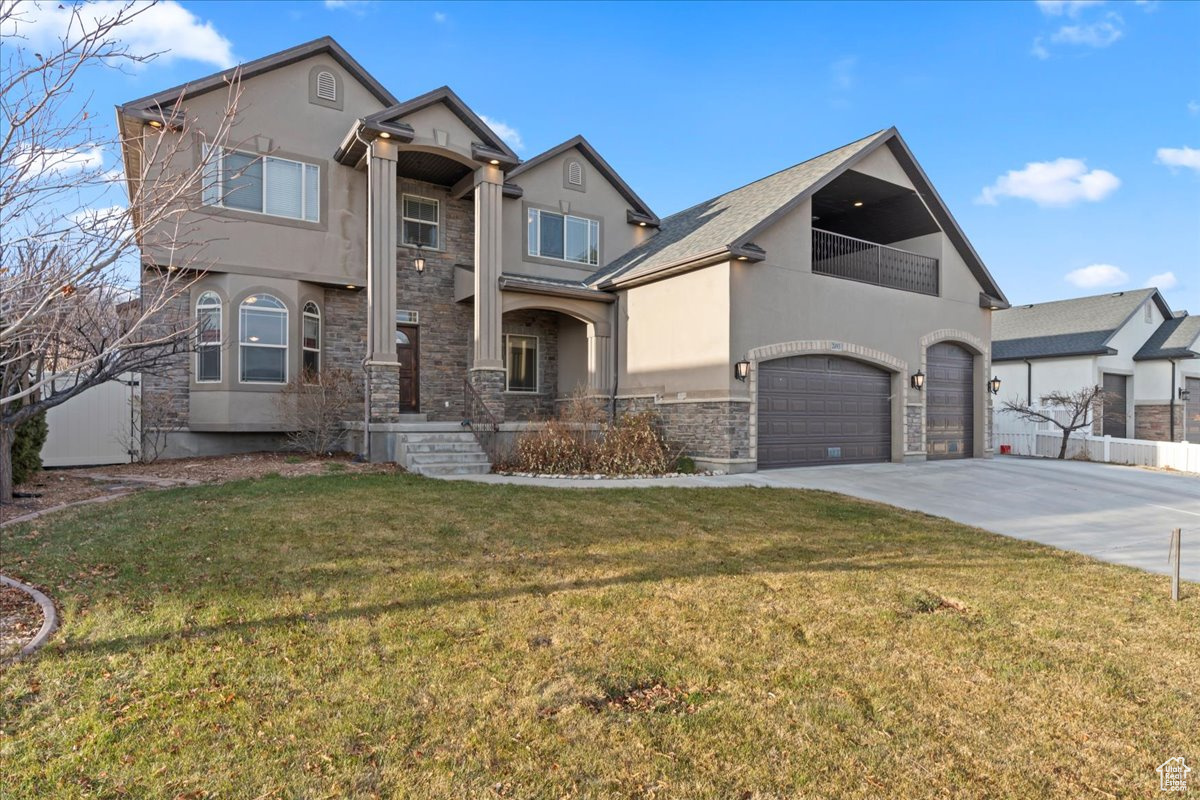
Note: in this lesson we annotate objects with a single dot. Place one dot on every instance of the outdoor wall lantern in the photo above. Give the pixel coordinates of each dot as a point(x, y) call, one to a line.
point(741, 369)
point(994, 385)
point(918, 380)
point(419, 263)
point(1184, 394)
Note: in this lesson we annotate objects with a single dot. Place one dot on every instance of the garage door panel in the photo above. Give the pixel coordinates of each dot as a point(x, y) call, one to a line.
point(949, 401)
point(822, 410)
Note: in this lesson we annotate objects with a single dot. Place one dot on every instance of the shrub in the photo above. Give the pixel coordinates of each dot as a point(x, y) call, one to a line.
point(314, 408)
point(28, 439)
point(685, 464)
point(554, 448)
point(633, 447)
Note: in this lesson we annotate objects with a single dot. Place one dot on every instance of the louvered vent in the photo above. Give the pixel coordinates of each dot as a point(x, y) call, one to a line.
point(327, 86)
point(575, 173)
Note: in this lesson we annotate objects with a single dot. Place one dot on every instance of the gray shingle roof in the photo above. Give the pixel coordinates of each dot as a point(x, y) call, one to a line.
point(715, 224)
point(1175, 338)
point(1081, 326)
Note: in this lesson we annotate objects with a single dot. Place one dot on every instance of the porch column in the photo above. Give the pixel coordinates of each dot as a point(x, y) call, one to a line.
point(600, 358)
point(487, 368)
point(382, 369)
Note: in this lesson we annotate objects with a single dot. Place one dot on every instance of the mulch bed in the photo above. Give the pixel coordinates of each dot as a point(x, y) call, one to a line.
point(20, 619)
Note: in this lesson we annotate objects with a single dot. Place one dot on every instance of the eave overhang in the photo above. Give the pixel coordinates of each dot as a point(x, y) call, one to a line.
point(992, 303)
point(1099, 351)
point(518, 283)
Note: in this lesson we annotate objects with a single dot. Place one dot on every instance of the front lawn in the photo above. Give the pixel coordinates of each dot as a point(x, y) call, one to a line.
point(392, 636)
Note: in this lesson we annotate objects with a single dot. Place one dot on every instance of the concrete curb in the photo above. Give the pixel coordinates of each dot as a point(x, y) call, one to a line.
point(49, 618)
point(104, 498)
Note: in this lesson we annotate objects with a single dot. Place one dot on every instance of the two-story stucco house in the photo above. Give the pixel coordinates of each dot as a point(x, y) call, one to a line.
point(831, 312)
point(1145, 356)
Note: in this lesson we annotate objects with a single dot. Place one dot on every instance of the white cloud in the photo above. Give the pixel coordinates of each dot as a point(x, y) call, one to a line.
point(1039, 50)
point(1097, 276)
point(1188, 157)
point(1193, 107)
point(1070, 8)
point(38, 163)
point(440, 17)
point(842, 73)
point(1164, 280)
point(1062, 182)
point(353, 6)
point(1093, 34)
point(505, 131)
point(167, 28)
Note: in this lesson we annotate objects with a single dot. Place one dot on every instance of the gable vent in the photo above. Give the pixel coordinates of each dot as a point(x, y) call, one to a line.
point(327, 86)
point(575, 173)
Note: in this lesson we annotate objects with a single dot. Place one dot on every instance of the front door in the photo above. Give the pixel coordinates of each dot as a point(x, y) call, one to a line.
point(1116, 401)
point(408, 354)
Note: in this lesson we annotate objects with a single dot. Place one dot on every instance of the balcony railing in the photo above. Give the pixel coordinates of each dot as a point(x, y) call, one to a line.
point(860, 260)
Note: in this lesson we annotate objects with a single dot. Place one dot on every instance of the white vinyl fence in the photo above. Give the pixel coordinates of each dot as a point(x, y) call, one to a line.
point(93, 427)
point(1023, 438)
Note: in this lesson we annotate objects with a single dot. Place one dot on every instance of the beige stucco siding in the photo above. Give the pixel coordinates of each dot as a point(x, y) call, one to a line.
point(543, 187)
point(275, 117)
point(674, 335)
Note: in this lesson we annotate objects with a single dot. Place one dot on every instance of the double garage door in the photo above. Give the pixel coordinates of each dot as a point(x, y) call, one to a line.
point(832, 410)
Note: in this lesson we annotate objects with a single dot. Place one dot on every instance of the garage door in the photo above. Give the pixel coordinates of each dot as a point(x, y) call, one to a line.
point(1116, 390)
point(822, 410)
point(1191, 411)
point(949, 401)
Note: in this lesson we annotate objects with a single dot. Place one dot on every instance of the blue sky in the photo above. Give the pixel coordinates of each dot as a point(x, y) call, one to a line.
point(1064, 136)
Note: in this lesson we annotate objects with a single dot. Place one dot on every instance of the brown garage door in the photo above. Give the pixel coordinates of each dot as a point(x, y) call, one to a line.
point(949, 401)
point(1191, 411)
point(822, 410)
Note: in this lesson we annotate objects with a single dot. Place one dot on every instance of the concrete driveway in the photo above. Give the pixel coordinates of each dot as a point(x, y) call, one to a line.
point(1118, 514)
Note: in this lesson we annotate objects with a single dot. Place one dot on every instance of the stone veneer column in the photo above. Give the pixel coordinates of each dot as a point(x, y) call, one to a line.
point(382, 369)
point(487, 368)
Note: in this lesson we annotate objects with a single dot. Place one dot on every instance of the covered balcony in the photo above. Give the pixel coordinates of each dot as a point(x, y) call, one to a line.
point(874, 231)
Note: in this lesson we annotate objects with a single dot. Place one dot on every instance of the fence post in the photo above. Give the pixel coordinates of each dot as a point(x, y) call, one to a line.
point(1175, 557)
point(1107, 449)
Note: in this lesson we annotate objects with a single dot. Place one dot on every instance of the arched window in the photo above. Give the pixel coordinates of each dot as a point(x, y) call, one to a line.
point(311, 340)
point(263, 339)
point(208, 338)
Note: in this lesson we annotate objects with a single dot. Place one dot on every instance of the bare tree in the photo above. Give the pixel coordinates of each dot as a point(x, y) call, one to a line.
point(71, 312)
point(313, 408)
point(1080, 406)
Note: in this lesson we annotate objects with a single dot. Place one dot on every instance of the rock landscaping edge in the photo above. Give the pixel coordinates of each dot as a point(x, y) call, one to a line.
point(49, 618)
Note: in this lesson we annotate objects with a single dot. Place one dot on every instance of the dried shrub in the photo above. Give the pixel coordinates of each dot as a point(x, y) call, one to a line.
point(553, 448)
point(314, 408)
point(577, 444)
point(633, 447)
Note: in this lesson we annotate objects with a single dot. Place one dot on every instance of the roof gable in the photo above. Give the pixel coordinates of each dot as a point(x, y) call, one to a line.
point(597, 161)
point(1075, 327)
point(219, 80)
point(396, 112)
point(728, 224)
point(1177, 337)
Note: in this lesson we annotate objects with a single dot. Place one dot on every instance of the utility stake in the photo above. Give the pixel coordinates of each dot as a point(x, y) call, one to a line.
point(1174, 557)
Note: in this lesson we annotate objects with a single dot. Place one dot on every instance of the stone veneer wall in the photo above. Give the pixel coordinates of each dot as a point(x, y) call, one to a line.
point(914, 428)
point(344, 335)
point(718, 429)
point(445, 326)
point(544, 325)
point(1153, 422)
point(171, 378)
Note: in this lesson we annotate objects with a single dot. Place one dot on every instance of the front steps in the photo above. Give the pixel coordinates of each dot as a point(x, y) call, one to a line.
point(421, 447)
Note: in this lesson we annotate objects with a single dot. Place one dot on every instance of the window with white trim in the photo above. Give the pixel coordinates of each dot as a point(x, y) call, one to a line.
point(310, 340)
point(521, 362)
point(263, 184)
point(419, 217)
point(562, 236)
point(208, 338)
point(263, 339)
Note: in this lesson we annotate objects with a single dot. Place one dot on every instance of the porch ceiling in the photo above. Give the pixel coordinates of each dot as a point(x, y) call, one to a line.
point(430, 167)
point(889, 212)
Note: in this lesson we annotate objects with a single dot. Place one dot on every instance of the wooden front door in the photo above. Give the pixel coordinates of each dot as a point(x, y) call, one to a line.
point(408, 354)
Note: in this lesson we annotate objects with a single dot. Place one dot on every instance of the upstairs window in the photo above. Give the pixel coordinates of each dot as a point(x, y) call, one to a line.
point(419, 218)
point(263, 332)
point(564, 237)
point(208, 338)
point(311, 340)
point(263, 184)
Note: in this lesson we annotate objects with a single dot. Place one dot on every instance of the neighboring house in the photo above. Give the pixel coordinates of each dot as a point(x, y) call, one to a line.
point(1144, 356)
point(777, 324)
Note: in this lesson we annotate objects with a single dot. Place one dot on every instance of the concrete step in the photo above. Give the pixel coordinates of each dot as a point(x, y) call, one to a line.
point(439, 436)
point(420, 459)
point(442, 447)
point(434, 470)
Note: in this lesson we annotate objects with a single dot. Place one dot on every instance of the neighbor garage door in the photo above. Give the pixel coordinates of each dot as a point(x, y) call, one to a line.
point(950, 401)
point(822, 410)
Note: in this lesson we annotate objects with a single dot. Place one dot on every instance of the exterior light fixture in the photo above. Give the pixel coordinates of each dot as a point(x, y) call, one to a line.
point(495, 162)
point(858, 203)
point(742, 258)
point(384, 135)
point(154, 123)
point(419, 262)
point(741, 369)
point(1184, 394)
point(994, 385)
point(641, 224)
point(918, 380)
point(351, 286)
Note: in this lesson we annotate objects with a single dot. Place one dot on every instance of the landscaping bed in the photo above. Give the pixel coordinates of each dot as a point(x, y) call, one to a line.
point(20, 620)
point(370, 635)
